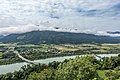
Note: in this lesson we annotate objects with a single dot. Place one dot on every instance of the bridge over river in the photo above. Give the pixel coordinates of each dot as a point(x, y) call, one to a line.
point(24, 59)
point(33, 62)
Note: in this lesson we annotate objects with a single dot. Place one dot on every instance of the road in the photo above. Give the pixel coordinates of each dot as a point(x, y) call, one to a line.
point(24, 59)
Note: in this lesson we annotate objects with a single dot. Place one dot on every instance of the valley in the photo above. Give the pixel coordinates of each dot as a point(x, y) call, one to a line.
point(35, 59)
point(42, 51)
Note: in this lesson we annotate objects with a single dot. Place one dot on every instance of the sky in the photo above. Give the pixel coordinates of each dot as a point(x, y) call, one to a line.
point(84, 16)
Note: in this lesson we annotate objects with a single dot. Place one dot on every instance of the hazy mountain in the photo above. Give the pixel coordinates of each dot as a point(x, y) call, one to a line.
point(117, 32)
point(1, 36)
point(52, 37)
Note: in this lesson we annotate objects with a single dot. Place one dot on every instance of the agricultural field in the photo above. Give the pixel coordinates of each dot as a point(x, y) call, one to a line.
point(34, 52)
point(103, 48)
point(64, 48)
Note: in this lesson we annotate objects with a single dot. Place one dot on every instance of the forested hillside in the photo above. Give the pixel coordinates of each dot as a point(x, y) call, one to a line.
point(1, 36)
point(52, 37)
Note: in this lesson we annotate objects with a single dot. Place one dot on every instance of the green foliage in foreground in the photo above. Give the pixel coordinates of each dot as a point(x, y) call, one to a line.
point(77, 69)
point(80, 68)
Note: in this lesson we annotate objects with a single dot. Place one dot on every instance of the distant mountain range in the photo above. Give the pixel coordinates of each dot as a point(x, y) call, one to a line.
point(117, 32)
point(52, 37)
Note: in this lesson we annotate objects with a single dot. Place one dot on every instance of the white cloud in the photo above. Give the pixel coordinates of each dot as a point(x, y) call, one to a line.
point(21, 29)
point(107, 34)
point(87, 16)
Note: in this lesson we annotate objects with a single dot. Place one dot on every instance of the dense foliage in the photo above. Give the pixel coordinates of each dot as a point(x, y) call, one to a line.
point(80, 68)
point(77, 69)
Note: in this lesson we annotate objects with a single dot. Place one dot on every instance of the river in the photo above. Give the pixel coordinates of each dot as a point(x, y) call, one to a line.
point(16, 66)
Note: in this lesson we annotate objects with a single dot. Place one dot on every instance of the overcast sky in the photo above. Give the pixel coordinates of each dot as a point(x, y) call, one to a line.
point(89, 16)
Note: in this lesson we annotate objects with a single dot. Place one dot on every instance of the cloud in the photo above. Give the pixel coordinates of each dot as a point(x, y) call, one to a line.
point(22, 29)
point(107, 34)
point(87, 16)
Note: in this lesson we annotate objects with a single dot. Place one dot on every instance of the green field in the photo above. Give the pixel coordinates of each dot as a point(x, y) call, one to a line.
point(64, 48)
point(101, 73)
point(33, 52)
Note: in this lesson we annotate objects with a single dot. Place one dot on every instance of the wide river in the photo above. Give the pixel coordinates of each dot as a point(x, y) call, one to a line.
point(15, 67)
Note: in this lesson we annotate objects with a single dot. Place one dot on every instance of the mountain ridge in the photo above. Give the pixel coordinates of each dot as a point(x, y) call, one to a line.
point(117, 32)
point(53, 37)
point(1, 36)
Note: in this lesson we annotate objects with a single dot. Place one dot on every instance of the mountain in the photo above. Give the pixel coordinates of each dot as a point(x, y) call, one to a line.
point(1, 36)
point(117, 32)
point(52, 37)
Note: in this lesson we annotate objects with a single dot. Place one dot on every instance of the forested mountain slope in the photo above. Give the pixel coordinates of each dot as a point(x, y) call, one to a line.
point(52, 37)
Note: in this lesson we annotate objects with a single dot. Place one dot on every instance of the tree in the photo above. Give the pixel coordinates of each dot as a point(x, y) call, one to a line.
point(113, 75)
point(46, 74)
point(77, 69)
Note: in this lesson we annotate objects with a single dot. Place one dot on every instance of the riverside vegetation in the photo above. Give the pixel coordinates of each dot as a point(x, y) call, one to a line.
point(35, 52)
point(80, 68)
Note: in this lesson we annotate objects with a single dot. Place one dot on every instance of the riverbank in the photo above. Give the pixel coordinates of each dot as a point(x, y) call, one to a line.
point(44, 51)
point(16, 66)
